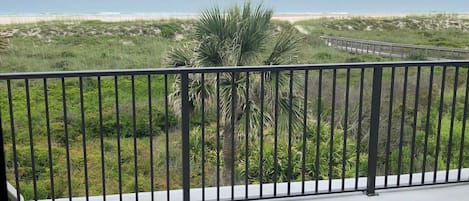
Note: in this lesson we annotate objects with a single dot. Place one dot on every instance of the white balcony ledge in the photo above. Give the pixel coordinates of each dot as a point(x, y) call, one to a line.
point(456, 192)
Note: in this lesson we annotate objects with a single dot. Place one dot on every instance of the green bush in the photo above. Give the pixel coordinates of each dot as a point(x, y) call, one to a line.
point(169, 30)
point(296, 158)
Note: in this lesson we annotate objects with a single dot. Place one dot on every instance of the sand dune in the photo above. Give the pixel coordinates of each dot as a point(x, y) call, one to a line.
point(118, 18)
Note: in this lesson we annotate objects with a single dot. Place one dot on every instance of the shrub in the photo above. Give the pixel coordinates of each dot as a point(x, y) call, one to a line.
point(169, 30)
point(296, 158)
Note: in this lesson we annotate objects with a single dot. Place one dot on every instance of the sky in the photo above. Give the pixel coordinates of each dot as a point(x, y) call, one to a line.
point(195, 6)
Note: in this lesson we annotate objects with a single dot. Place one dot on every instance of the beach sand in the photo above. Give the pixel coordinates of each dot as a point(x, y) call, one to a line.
point(4, 20)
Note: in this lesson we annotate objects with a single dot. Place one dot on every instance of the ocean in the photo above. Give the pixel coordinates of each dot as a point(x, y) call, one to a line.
point(192, 7)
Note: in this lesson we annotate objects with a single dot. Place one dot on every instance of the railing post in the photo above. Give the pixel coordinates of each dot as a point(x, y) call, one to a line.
point(374, 129)
point(185, 135)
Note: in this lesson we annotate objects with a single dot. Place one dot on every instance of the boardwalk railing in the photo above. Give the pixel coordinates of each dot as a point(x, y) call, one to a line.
point(395, 50)
point(233, 132)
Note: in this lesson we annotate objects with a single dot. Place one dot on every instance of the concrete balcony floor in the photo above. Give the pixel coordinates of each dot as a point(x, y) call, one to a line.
point(450, 192)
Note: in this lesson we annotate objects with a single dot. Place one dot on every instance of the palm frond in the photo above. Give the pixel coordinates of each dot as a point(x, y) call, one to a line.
point(236, 37)
point(254, 30)
point(287, 43)
point(296, 110)
point(197, 90)
point(215, 53)
point(181, 56)
point(240, 32)
point(212, 23)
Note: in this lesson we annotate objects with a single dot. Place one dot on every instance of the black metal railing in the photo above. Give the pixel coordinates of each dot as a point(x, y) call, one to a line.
point(234, 132)
point(395, 50)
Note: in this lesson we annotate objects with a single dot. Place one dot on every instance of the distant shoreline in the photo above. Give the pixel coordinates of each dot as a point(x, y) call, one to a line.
point(15, 19)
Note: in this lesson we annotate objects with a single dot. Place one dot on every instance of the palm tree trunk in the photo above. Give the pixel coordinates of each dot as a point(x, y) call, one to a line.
point(228, 157)
point(229, 137)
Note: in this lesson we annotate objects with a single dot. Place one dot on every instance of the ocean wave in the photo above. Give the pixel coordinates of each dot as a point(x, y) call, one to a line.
point(312, 13)
point(108, 13)
point(104, 13)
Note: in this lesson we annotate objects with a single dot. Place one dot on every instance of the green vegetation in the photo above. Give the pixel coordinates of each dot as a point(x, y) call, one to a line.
point(432, 30)
point(238, 38)
point(3, 44)
point(58, 46)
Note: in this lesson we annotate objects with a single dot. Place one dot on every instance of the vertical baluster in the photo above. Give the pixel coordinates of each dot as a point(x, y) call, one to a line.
point(277, 74)
point(150, 129)
point(440, 117)
point(166, 132)
point(451, 131)
point(318, 133)
point(427, 123)
point(67, 146)
point(463, 132)
point(331, 141)
point(261, 134)
point(414, 130)
point(359, 129)
point(401, 135)
point(101, 138)
point(31, 140)
point(388, 137)
point(246, 165)
point(344, 147)
point(218, 135)
point(49, 142)
point(202, 127)
point(185, 136)
point(234, 96)
point(305, 129)
point(134, 130)
point(290, 130)
point(83, 132)
point(118, 131)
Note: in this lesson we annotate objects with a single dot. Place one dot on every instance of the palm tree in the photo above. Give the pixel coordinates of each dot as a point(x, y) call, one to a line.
point(238, 37)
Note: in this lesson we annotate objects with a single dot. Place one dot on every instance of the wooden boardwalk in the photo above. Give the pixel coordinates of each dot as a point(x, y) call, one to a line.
point(395, 50)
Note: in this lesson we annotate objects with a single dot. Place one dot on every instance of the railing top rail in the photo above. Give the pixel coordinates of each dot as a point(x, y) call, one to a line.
point(373, 42)
point(130, 72)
